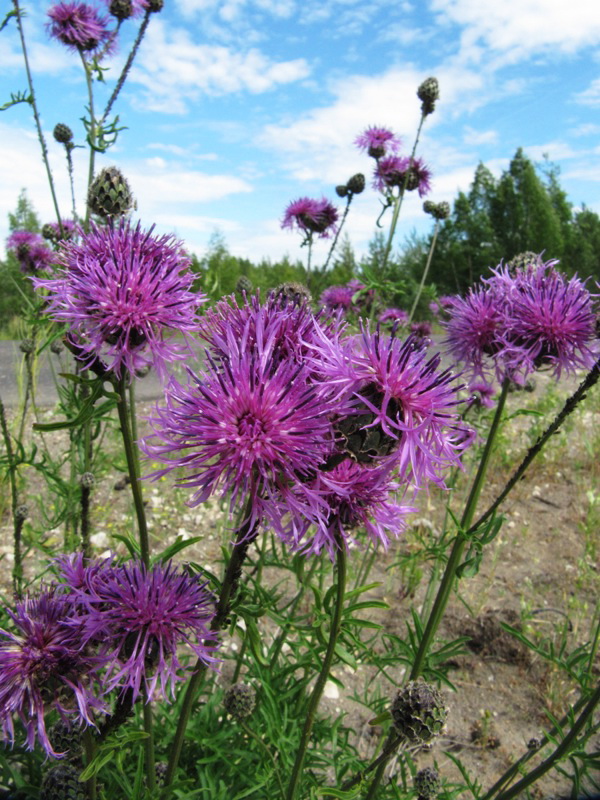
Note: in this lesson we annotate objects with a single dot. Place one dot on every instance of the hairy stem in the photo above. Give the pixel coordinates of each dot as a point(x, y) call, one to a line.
point(425, 272)
point(17, 572)
point(92, 132)
point(36, 115)
point(127, 67)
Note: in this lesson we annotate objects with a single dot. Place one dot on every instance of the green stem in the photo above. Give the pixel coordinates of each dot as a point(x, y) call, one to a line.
point(127, 67)
point(425, 272)
point(36, 116)
point(266, 750)
point(17, 572)
point(454, 560)
point(246, 535)
point(279, 642)
point(149, 743)
point(570, 405)
point(89, 745)
point(337, 233)
point(547, 737)
point(399, 199)
point(132, 457)
point(92, 132)
point(567, 743)
point(71, 171)
point(336, 623)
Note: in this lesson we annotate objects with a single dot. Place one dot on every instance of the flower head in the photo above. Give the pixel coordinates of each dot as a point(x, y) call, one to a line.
point(404, 405)
point(392, 315)
point(254, 423)
point(139, 617)
point(378, 142)
point(355, 496)
point(31, 251)
point(335, 297)
point(79, 26)
point(43, 666)
point(311, 216)
point(122, 289)
point(53, 232)
point(394, 171)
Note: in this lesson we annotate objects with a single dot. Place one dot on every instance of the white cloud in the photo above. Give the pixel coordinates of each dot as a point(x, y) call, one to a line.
point(474, 137)
point(591, 96)
point(521, 28)
point(585, 129)
point(174, 68)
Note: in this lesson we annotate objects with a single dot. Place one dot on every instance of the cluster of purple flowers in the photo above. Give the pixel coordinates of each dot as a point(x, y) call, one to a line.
point(121, 290)
point(523, 319)
point(313, 431)
point(102, 627)
point(350, 297)
point(32, 253)
point(393, 171)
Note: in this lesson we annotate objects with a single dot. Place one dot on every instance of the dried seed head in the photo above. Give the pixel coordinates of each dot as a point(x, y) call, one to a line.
point(428, 92)
point(87, 480)
point(22, 512)
point(61, 782)
point(121, 9)
point(240, 700)
point(294, 291)
point(27, 346)
point(356, 184)
point(110, 195)
point(244, 284)
point(427, 783)
point(419, 712)
point(62, 133)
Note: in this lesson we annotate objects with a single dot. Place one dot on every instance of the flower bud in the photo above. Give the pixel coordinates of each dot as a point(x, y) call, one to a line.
point(27, 346)
point(87, 480)
point(63, 134)
point(120, 9)
point(428, 92)
point(293, 291)
point(110, 195)
point(356, 184)
point(419, 712)
point(244, 284)
point(61, 782)
point(240, 700)
point(154, 6)
point(22, 512)
point(341, 190)
point(427, 783)
point(66, 739)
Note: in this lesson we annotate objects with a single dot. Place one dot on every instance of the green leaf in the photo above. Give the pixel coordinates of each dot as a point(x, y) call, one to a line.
point(7, 18)
point(130, 544)
point(178, 545)
point(381, 718)
point(343, 795)
point(345, 656)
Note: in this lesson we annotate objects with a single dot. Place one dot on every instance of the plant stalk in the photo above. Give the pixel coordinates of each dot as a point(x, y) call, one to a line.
point(425, 272)
point(336, 623)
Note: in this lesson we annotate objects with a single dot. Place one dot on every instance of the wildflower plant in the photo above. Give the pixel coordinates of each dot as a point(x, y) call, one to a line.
point(318, 438)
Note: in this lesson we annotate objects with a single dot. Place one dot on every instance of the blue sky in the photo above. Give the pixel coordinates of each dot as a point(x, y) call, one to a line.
point(236, 108)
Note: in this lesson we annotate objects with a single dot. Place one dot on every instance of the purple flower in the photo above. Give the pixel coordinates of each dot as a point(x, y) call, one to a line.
point(31, 251)
point(551, 322)
point(52, 230)
point(404, 405)
point(482, 393)
point(394, 171)
point(79, 26)
point(122, 289)
point(356, 496)
point(421, 329)
point(139, 618)
point(254, 423)
point(44, 666)
point(475, 331)
point(397, 315)
point(311, 216)
point(378, 142)
point(335, 297)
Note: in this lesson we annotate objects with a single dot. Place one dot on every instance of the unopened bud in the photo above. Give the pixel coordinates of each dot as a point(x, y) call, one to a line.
point(419, 712)
point(240, 700)
point(62, 133)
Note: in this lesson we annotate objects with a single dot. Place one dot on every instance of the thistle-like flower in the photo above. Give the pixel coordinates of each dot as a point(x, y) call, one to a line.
point(252, 425)
point(44, 666)
point(79, 26)
point(31, 251)
point(122, 290)
point(335, 297)
point(138, 618)
point(378, 142)
point(394, 171)
point(410, 399)
point(394, 315)
point(311, 216)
